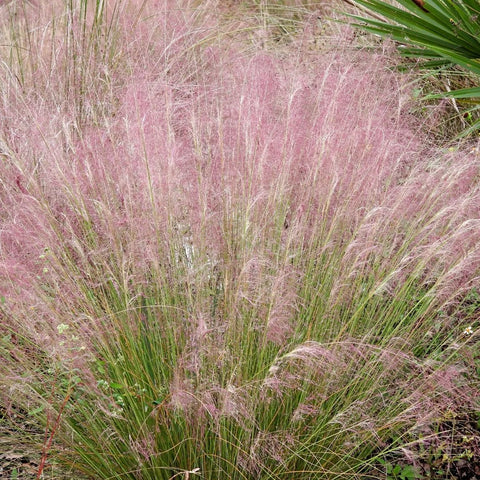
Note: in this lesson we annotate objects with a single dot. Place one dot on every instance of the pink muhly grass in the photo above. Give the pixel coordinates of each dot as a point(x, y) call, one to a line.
point(235, 246)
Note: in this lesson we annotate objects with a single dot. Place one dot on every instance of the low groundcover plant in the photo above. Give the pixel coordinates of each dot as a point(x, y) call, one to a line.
point(248, 266)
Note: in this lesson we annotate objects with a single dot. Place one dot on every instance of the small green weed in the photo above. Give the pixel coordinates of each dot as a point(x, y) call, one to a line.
point(398, 471)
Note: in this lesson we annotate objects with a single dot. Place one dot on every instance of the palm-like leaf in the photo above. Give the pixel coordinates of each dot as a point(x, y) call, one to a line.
point(441, 31)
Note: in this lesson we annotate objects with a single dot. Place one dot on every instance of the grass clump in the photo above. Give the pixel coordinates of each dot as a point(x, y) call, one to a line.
point(244, 268)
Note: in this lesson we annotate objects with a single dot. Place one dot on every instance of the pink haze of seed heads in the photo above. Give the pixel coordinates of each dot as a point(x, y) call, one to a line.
point(248, 191)
point(319, 134)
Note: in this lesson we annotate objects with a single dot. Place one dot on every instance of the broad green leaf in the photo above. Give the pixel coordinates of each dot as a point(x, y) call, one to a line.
point(36, 411)
point(444, 33)
point(473, 92)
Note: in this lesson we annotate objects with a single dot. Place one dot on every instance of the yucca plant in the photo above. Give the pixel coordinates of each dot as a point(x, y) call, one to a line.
point(441, 32)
